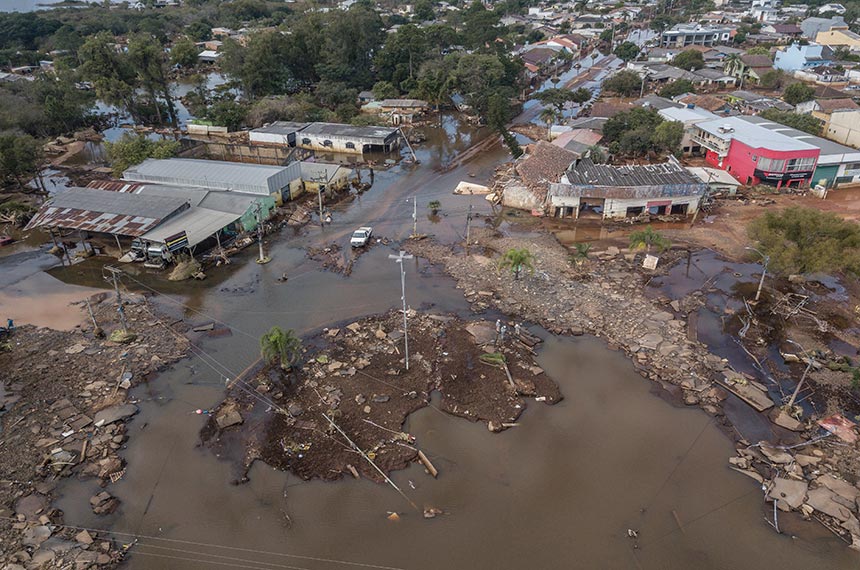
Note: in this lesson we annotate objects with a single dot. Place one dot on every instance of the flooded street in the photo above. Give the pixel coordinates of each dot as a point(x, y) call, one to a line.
point(560, 490)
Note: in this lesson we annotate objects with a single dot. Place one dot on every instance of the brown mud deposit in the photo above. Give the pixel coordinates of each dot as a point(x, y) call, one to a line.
point(355, 376)
point(63, 407)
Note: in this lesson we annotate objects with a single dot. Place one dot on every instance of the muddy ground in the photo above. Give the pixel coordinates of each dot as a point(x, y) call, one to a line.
point(63, 408)
point(355, 377)
point(604, 295)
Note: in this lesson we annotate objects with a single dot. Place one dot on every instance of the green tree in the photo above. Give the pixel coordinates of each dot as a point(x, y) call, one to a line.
point(423, 11)
point(798, 93)
point(184, 53)
point(689, 60)
point(627, 51)
point(668, 135)
point(498, 111)
point(805, 123)
point(477, 76)
point(110, 72)
point(199, 31)
point(436, 81)
point(558, 97)
point(281, 346)
point(227, 113)
point(772, 79)
point(479, 25)
point(625, 83)
point(146, 56)
point(806, 240)
point(758, 50)
point(133, 149)
point(647, 238)
point(549, 116)
point(677, 87)
point(517, 260)
point(347, 47)
point(385, 90)
point(402, 55)
point(261, 67)
point(19, 158)
point(635, 118)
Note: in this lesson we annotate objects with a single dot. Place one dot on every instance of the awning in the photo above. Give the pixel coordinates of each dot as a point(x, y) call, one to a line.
point(197, 223)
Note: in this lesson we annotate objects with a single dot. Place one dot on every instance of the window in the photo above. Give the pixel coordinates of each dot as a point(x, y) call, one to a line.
point(306, 141)
point(350, 145)
point(754, 158)
point(771, 164)
point(798, 164)
point(327, 143)
point(853, 166)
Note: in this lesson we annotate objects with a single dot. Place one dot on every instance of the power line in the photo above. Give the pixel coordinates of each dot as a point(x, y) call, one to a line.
point(139, 536)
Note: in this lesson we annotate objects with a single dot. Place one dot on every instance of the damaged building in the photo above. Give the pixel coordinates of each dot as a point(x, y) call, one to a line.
point(602, 191)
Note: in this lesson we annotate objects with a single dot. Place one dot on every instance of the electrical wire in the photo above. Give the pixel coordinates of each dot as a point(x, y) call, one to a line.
point(139, 536)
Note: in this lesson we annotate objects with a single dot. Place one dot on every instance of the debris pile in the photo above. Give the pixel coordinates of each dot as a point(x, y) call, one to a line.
point(353, 388)
point(65, 406)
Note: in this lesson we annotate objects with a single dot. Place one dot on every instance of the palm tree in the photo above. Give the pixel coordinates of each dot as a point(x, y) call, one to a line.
point(582, 249)
point(548, 116)
point(648, 237)
point(517, 260)
point(734, 63)
point(280, 345)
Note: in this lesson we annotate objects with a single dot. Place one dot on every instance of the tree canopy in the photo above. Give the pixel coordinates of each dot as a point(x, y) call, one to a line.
point(627, 51)
point(677, 87)
point(806, 240)
point(133, 149)
point(798, 93)
point(805, 123)
point(625, 83)
point(689, 60)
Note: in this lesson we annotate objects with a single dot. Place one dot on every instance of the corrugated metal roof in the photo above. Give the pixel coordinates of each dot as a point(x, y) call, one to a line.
point(197, 223)
point(584, 172)
point(319, 171)
point(281, 128)
point(105, 211)
point(338, 130)
point(213, 174)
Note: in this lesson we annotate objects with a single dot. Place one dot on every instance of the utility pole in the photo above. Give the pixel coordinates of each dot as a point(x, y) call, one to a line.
point(468, 228)
point(400, 258)
point(114, 278)
point(766, 261)
point(319, 193)
point(262, 259)
point(414, 216)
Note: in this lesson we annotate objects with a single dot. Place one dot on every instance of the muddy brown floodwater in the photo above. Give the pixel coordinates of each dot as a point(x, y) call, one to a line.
point(560, 490)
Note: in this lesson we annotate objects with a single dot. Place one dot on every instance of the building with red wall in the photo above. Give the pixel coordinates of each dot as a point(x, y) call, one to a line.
point(754, 154)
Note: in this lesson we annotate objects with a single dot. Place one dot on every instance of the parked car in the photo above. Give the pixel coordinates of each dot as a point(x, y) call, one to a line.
point(6, 240)
point(360, 237)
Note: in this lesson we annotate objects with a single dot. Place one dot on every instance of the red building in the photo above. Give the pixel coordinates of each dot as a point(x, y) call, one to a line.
point(754, 154)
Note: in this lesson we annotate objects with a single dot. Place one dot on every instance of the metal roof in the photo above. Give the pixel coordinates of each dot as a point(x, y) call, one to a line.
point(104, 211)
point(338, 130)
point(319, 171)
point(583, 172)
point(197, 223)
point(281, 128)
point(831, 152)
point(750, 132)
point(212, 174)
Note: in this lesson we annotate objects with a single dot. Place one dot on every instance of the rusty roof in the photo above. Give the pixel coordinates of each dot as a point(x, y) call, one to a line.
point(105, 211)
point(544, 164)
point(115, 185)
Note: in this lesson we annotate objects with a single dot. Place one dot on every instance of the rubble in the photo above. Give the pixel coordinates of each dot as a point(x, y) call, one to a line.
point(357, 380)
point(67, 418)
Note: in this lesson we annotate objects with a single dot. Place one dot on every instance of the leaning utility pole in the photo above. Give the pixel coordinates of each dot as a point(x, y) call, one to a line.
point(400, 259)
point(262, 259)
point(114, 278)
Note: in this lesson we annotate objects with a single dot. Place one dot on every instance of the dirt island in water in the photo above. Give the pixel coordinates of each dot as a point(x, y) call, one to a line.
point(353, 389)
